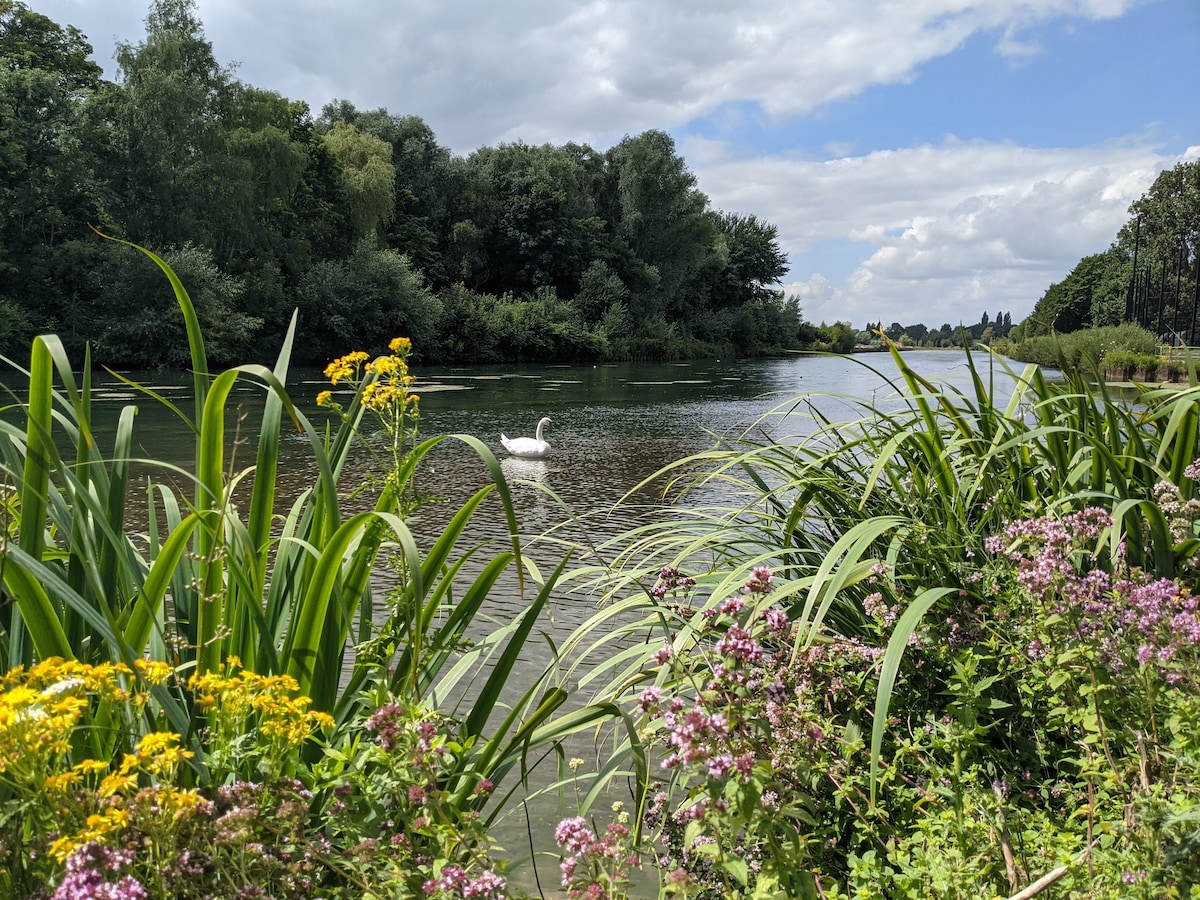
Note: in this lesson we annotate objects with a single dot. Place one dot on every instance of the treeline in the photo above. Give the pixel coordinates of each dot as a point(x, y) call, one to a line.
point(1162, 235)
point(984, 331)
point(361, 220)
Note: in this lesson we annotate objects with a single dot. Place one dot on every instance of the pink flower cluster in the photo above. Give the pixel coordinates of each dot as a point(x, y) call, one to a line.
point(1157, 616)
point(693, 735)
point(1055, 540)
point(604, 858)
point(390, 723)
point(671, 582)
point(456, 882)
point(88, 871)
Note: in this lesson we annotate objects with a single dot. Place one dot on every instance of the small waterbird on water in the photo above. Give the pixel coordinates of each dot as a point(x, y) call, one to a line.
point(528, 447)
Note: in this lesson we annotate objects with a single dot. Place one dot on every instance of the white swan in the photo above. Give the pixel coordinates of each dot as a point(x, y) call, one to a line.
point(528, 447)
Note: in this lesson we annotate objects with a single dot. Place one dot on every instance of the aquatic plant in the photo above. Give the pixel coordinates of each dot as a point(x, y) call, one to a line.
point(939, 648)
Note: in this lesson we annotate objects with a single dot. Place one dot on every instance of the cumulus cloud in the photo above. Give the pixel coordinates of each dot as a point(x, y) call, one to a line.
point(945, 229)
point(938, 230)
point(542, 70)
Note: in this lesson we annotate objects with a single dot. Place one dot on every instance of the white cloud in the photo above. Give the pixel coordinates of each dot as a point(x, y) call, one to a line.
point(542, 70)
point(945, 231)
point(941, 229)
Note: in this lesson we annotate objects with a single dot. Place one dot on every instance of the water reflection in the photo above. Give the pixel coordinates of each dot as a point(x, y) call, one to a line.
point(518, 469)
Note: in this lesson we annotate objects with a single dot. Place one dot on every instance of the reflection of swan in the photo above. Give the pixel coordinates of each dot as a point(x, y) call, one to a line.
point(528, 447)
point(517, 469)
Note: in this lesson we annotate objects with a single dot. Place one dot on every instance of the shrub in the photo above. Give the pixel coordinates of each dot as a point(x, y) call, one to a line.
point(1080, 349)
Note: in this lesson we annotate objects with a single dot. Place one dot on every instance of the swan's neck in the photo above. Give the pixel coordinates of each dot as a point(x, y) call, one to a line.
point(538, 433)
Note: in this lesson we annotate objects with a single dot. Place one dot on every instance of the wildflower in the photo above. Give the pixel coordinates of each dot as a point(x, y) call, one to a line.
point(346, 367)
point(324, 397)
point(738, 644)
point(777, 620)
point(153, 672)
point(386, 722)
point(88, 870)
point(650, 698)
point(573, 835)
point(455, 881)
point(484, 788)
point(760, 581)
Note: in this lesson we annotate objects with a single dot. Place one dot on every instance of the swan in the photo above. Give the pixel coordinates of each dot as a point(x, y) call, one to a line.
point(528, 447)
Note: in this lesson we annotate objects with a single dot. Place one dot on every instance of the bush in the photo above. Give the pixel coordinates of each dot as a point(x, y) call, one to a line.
point(363, 301)
point(143, 329)
point(1080, 349)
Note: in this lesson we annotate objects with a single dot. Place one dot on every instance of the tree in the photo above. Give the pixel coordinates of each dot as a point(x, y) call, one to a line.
point(534, 216)
point(425, 181)
point(368, 176)
point(600, 290)
point(1075, 302)
point(659, 214)
point(752, 260)
point(838, 337)
point(1168, 213)
point(49, 192)
point(168, 163)
point(1165, 224)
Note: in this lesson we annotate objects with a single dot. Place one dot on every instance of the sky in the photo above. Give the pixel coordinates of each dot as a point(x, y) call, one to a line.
point(924, 161)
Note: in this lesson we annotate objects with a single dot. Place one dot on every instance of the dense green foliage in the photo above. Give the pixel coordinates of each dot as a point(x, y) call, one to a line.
point(1164, 233)
point(360, 219)
point(946, 649)
point(1084, 349)
point(985, 331)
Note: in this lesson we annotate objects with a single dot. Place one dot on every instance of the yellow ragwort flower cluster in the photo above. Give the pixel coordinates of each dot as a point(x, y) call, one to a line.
point(231, 697)
point(389, 392)
point(41, 707)
point(40, 710)
point(346, 368)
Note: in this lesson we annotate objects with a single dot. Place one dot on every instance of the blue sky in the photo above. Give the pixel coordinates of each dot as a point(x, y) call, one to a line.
point(924, 161)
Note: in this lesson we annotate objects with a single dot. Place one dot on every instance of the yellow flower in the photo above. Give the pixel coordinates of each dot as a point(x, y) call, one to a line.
point(324, 397)
point(58, 784)
point(116, 784)
point(381, 396)
point(321, 720)
point(345, 367)
point(401, 345)
point(154, 672)
point(159, 752)
point(385, 365)
point(90, 767)
point(64, 847)
point(98, 826)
